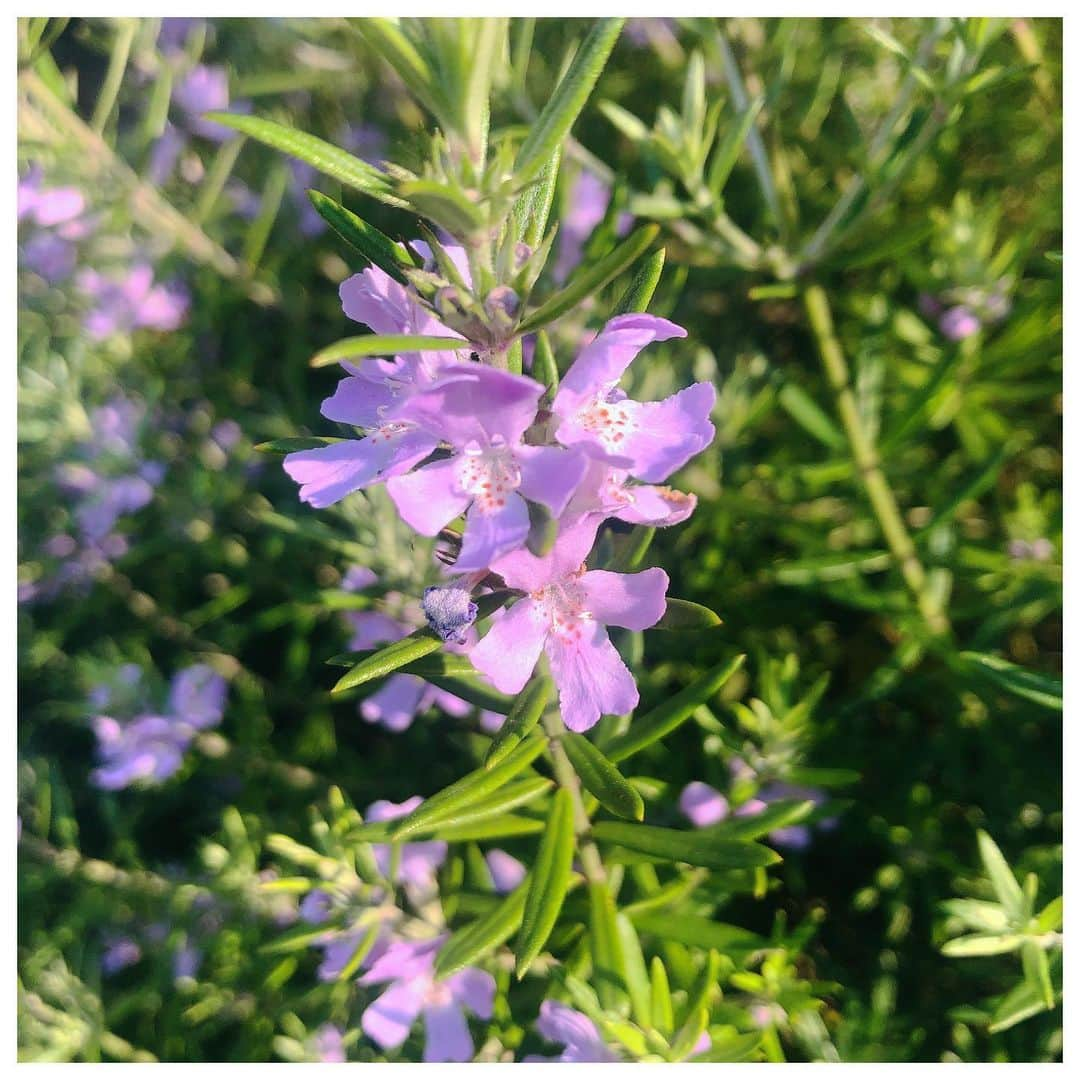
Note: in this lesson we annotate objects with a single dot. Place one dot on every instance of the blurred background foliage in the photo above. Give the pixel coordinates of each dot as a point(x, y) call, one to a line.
point(909, 169)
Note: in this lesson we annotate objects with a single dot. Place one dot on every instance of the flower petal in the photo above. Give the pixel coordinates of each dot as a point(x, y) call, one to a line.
point(490, 534)
point(591, 677)
point(508, 652)
point(633, 601)
point(470, 403)
point(601, 363)
point(429, 498)
point(648, 504)
point(524, 570)
point(395, 704)
point(328, 473)
point(446, 1035)
point(665, 435)
point(359, 401)
point(550, 474)
point(475, 989)
point(392, 1014)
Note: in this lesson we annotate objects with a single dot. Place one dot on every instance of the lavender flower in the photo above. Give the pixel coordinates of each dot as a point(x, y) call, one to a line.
point(651, 440)
point(120, 953)
point(574, 1031)
point(565, 613)
point(408, 966)
point(507, 873)
point(151, 747)
point(483, 414)
point(327, 1044)
point(131, 302)
point(959, 322)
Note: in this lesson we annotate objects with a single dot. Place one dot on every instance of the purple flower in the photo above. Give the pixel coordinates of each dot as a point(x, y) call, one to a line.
point(402, 698)
point(483, 413)
point(205, 89)
point(418, 862)
point(408, 966)
point(566, 614)
point(174, 32)
point(48, 206)
point(587, 205)
point(49, 256)
point(131, 302)
point(327, 1045)
point(197, 696)
point(507, 873)
point(373, 394)
point(147, 749)
point(358, 578)
point(186, 961)
point(959, 322)
point(120, 953)
point(649, 440)
point(574, 1031)
point(610, 493)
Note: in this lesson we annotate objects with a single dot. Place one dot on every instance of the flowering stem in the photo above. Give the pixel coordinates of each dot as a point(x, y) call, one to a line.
point(868, 464)
point(591, 863)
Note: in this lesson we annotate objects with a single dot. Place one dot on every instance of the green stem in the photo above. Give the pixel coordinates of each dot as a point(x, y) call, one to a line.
point(114, 76)
point(868, 464)
point(591, 863)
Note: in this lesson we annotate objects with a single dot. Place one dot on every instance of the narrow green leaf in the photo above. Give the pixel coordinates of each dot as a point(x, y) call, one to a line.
point(806, 412)
point(1030, 685)
point(604, 946)
point(474, 690)
point(470, 789)
point(1021, 1003)
point(478, 939)
point(550, 878)
point(602, 779)
point(544, 369)
point(1006, 887)
point(686, 615)
point(642, 285)
point(327, 158)
point(374, 245)
point(294, 939)
point(444, 205)
point(290, 445)
point(496, 828)
point(1051, 916)
point(727, 153)
point(660, 1007)
point(696, 847)
point(359, 954)
point(1037, 971)
point(522, 718)
point(688, 1035)
point(389, 659)
point(637, 979)
point(557, 117)
point(982, 945)
point(676, 710)
point(978, 914)
point(705, 983)
point(533, 206)
point(732, 1048)
point(507, 798)
point(591, 279)
point(778, 815)
point(632, 549)
point(352, 348)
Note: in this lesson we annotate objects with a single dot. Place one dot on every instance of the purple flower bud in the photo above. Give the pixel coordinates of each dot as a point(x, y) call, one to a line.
point(449, 611)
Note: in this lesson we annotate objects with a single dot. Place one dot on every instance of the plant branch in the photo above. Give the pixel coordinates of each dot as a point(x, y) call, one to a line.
point(868, 464)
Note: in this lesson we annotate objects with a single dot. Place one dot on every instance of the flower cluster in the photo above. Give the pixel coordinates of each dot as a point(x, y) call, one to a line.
point(150, 748)
point(453, 438)
point(106, 478)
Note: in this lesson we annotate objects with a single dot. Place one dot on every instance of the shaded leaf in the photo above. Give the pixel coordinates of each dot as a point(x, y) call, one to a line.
point(602, 778)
